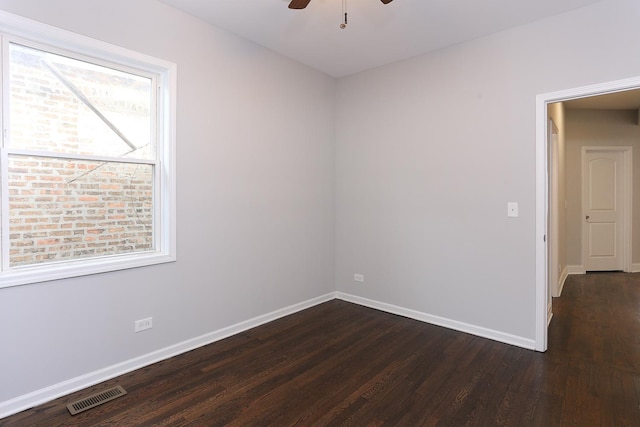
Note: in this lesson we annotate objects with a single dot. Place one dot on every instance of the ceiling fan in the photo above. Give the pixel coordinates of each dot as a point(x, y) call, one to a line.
point(301, 4)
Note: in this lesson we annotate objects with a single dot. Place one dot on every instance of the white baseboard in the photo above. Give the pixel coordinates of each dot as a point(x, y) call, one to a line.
point(55, 391)
point(562, 280)
point(579, 269)
point(441, 321)
point(575, 269)
point(549, 313)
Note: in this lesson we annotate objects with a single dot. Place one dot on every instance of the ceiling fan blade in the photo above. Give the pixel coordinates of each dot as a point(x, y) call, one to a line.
point(386, 1)
point(300, 4)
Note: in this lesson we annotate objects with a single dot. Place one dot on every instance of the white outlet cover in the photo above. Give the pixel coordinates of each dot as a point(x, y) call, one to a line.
point(512, 209)
point(143, 324)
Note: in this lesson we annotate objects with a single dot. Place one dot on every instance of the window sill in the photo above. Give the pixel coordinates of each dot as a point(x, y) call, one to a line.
point(68, 269)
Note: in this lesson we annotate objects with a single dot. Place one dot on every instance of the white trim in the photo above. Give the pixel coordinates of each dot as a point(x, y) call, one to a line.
point(84, 157)
point(163, 74)
point(55, 391)
point(47, 394)
point(39, 32)
point(549, 313)
point(541, 270)
point(440, 321)
point(635, 268)
point(542, 199)
point(576, 269)
point(563, 279)
point(24, 275)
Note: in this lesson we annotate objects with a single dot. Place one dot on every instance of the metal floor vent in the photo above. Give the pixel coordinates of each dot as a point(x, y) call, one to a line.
point(95, 400)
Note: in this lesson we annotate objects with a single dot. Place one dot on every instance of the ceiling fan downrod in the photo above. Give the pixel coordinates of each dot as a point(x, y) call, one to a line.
point(344, 12)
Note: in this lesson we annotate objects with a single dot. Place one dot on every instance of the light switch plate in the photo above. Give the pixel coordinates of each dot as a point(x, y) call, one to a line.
point(512, 209)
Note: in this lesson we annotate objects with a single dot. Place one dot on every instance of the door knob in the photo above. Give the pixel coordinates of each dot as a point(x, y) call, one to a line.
point(587, 218)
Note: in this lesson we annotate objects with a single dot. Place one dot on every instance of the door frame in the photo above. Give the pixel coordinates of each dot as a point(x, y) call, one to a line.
point(627, 177)
point(542, 190)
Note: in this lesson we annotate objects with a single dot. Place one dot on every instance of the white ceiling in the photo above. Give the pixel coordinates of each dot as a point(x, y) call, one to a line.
point(377, 34)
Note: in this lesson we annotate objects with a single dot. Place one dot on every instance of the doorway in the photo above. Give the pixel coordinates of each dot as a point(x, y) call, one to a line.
point(542, 189)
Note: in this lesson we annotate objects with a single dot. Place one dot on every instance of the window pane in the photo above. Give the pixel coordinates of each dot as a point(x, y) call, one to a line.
point(69, 209)
point(69, 106)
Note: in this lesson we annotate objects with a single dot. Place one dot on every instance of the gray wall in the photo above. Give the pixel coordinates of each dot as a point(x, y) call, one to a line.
point(601, 128)
point(430, 150)
point(403, 176)
point(255, 172)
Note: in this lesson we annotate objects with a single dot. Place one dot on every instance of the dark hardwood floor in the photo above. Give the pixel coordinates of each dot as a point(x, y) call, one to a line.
point(342, 364)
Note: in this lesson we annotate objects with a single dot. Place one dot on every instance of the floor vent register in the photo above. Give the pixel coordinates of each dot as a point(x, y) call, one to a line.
point(95, 400)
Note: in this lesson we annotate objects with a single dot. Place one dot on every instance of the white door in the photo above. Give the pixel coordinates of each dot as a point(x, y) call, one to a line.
point(603, 192)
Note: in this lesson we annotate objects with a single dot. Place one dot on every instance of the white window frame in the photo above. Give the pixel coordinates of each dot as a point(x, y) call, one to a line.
point(21, 30)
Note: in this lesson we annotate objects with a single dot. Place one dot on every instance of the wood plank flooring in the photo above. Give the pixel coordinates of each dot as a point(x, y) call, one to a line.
point(342, 364)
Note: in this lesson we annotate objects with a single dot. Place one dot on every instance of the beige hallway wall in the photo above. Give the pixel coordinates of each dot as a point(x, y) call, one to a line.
point(556, 112)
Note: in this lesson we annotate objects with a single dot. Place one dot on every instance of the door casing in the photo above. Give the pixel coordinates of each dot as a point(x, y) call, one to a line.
point(542, 190)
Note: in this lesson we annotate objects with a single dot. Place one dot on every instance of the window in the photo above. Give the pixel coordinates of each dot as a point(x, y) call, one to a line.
point(87, 164)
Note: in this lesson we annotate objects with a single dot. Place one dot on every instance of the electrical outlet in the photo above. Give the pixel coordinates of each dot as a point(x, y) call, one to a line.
point(143, 324)
point(358, 277)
